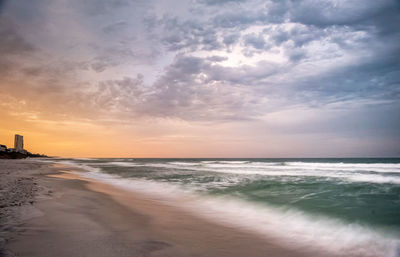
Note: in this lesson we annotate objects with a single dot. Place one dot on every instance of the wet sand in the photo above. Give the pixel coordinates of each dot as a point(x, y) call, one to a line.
point(74, 216)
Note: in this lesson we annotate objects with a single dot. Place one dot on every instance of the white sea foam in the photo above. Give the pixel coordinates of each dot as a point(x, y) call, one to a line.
point(376, 167)
point(184, 163)
point(124, 164)
point(373, 167)
point(81, 166)
point(293, 227)
point(273, 170)
point(369, 173)
point(349, 172)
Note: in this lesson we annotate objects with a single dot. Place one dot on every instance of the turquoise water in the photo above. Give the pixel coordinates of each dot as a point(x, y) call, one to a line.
point(362, 192)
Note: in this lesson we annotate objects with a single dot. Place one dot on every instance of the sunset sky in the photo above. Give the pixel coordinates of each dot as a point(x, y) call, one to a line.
point(201, 78)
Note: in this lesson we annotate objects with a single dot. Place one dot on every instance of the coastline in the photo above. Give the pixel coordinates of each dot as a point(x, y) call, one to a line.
point(75, 216)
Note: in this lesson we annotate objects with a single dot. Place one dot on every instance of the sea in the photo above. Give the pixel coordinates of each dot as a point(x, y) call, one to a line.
point(345, 207)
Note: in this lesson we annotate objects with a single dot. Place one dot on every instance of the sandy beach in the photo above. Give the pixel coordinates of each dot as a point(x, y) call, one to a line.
point(48, 211)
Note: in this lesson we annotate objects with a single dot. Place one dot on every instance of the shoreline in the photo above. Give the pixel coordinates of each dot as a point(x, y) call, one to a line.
point(84, 217)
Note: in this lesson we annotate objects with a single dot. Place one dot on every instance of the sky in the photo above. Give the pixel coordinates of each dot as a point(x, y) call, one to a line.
point(201, 78)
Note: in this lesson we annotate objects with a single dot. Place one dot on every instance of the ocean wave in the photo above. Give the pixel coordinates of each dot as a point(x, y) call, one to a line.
point(350, 176)
point(184, 163)
point(288, 226)
point(81, 166)
point(377, 167)
point(365, 173)
point(297, 166)
point(123, 164)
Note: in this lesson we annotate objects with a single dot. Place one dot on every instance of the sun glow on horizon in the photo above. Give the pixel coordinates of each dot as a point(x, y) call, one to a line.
point(201, 78)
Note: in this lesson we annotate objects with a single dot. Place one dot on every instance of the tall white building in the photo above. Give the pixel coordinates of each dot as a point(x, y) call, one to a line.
point(19, 143)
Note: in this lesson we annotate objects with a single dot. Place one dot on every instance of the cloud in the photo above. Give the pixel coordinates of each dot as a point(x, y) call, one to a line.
point(256, 41)
point(114, 27)
point(230, 39)
point(12, 46)
point(101, 7)
point(176, 35)
point(11, 42)
point(216, 58)
point(217, 61)
point(219, 2)
point(190, 90)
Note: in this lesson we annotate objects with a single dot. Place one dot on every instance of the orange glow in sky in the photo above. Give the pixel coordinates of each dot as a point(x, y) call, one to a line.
point(200, 78)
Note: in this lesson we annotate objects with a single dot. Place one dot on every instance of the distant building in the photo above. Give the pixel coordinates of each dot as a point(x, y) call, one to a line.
point(19, 143)
point(3, 148)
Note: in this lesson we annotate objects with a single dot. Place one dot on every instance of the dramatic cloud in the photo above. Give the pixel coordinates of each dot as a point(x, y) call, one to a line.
point(284, 69)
